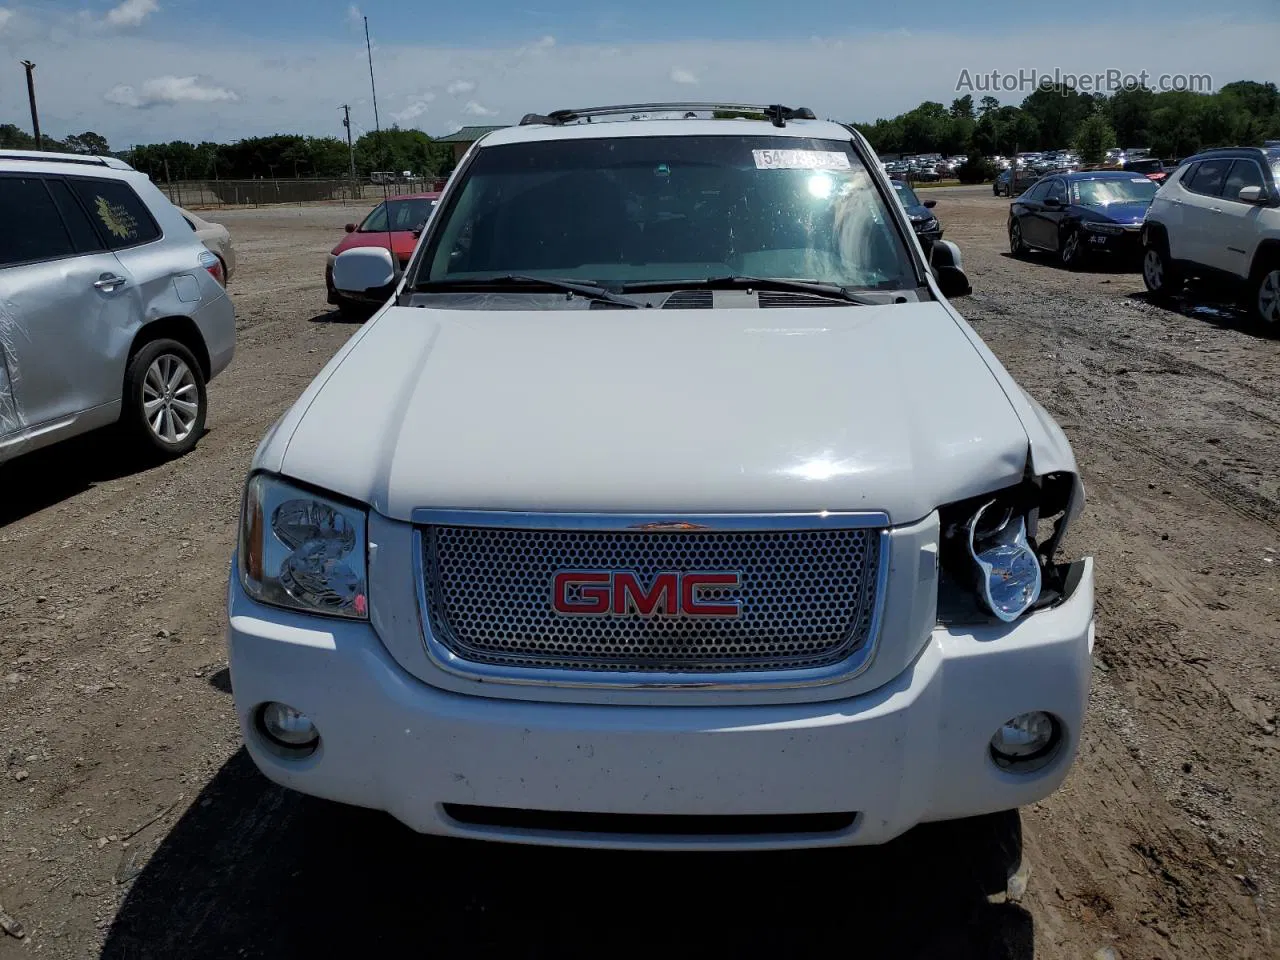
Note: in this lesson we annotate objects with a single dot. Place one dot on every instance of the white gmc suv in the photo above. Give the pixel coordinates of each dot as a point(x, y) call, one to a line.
point(761, 553)
point(1218, 217)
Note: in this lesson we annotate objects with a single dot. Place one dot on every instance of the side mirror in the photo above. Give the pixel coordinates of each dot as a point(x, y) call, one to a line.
point(365, 272)
point(931, 204)
point(1052, 203)
point(351, 228)
point(948, 270)
point(1253, 195)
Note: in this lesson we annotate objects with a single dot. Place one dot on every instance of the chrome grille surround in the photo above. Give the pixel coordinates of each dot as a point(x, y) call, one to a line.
point(469, 563)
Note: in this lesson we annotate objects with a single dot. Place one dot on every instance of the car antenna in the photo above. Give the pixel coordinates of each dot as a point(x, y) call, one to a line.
point(377, 126)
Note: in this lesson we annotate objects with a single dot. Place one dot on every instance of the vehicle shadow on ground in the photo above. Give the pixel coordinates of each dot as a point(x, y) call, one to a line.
point(338, 318)
point(46, 477)
point(1103, 264)
point(1210, 304)
point(252, 870)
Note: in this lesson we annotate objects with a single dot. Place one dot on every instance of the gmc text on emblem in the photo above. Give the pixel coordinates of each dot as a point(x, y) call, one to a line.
point(621, 593)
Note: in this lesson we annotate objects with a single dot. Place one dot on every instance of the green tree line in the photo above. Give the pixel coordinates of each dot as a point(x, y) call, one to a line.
point(280, 155)
point(1173, 124)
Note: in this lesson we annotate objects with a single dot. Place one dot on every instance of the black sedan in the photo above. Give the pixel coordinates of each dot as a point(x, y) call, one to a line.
point(927, 227)
point(1076, 215)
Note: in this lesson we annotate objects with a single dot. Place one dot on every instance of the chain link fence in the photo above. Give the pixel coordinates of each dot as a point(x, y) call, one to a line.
point(207, 194)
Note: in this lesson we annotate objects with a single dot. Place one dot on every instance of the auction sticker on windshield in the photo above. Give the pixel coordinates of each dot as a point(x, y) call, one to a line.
point(800, 160)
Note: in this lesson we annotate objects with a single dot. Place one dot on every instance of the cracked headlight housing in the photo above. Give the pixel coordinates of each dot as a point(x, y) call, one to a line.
point(1007, 575)
point(992, 562)
point(302, 550)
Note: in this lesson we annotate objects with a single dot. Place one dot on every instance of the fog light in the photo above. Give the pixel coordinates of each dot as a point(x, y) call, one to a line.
point(1027, 741)
point(288, 727)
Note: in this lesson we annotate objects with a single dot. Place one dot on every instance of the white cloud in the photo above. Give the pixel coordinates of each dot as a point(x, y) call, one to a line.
point(354, 16)
point(5, 17)
point(473, 109)
point(416, 107)
point(162, 90)
point(682, 76)
point(130, 13)
point(457, 87)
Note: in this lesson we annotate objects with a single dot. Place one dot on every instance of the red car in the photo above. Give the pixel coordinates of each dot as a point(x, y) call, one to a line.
point(395, 225)
point(1150, 167)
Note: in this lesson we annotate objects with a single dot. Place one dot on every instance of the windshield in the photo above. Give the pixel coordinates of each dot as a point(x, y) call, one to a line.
point(405, 215)
point(906, 194)
point(1101, 193)
point(630, 210)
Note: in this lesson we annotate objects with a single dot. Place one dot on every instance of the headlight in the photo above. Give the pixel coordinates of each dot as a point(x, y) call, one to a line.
point(927, 225)
point(302, 550)
point(1008, 570)
point(990, 556)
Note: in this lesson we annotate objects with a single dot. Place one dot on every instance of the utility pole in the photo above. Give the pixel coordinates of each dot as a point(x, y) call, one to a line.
point(31, 95)
point(351, 147)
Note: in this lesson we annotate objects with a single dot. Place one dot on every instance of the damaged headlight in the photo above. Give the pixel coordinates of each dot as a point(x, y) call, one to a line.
point(302, 550)
point(990, 549)
point(1007, 570)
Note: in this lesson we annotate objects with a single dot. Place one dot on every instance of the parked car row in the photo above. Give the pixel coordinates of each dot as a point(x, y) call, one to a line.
point(925, 168)
point(112, 309)
point(1216, 217)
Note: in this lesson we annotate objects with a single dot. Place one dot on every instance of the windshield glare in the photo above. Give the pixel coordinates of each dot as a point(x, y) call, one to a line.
point(1101, 193)
point(405, 215)
point(622, 210)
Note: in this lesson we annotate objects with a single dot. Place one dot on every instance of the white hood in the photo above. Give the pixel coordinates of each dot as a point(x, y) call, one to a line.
point(888, 408)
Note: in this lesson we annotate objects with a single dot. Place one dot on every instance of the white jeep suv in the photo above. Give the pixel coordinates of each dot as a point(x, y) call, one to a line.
point(762, 552)
point(1218, 217)
point(111, 309)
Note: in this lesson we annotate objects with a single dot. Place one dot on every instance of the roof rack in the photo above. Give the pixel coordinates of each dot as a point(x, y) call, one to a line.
point(777, 113)
point(46, 156)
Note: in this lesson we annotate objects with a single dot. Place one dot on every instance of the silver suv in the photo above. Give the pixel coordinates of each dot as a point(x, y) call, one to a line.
point(1218, 217)
point(111, 309)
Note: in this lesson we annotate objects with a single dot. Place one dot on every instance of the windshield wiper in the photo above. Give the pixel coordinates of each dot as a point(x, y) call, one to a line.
point(832, 291)
point(512, 281)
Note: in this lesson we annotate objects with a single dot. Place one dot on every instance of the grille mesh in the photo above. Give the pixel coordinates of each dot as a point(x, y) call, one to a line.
point(806, 598)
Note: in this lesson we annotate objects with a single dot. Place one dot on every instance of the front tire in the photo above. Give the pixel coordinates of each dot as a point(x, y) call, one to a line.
point(1071, 250)
point(1265, 286)
point(165, 400)
point(1017, 247)
point(1160, 276)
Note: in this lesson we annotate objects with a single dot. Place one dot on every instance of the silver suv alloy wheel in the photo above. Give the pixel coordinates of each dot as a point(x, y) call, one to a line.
point(1153, 270)
point(1269, 296)
point(170, 398)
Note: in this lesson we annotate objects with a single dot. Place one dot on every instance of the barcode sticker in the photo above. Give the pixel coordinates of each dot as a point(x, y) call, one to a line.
point(801, 160)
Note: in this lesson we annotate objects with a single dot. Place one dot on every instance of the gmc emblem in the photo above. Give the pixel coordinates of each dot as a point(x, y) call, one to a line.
point(620, 594)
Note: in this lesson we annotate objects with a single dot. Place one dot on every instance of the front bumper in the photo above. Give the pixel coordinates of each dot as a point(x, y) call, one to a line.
point(929, 237)
point(1126, 243)
point(913, 750)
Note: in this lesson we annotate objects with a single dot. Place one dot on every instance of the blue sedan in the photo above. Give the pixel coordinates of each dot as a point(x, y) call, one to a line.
point(1077, 215)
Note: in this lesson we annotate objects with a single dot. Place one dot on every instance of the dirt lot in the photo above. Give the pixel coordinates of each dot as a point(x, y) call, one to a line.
point(132, 825)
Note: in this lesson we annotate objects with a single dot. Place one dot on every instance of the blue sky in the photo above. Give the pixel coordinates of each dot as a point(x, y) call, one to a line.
point(142, 70)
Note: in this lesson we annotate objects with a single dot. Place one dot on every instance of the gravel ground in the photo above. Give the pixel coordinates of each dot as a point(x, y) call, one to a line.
point(132, 824)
